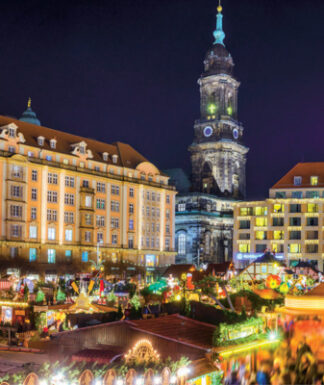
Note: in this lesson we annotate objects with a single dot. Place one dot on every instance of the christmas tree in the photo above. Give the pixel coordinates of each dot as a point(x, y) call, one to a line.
point(40, 296)
point(60, 296)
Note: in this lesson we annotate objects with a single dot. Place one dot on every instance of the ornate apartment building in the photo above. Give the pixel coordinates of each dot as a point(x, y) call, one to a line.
point(290, 223)
point(204, 213)
point(62, 196)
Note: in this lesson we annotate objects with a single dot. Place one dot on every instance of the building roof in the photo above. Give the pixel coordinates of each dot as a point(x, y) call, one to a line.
point(218, 268)
point(305, 265)
point(177, 270)
point(305, 170)
point(179, 329)
point(267, 257)
point(127, 155)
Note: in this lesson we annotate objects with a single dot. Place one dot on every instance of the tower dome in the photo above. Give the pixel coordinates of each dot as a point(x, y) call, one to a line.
point(218, 60)
point(29, 116)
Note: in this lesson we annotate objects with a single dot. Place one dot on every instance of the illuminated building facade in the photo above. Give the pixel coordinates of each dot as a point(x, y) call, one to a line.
point(290, 223)
point(204, 213)
point(63, 196)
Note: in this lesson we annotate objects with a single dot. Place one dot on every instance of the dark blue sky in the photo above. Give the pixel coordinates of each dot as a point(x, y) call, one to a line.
point(127, 70)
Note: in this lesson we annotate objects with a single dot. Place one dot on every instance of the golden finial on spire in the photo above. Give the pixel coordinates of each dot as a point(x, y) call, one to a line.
point(219, 8)
point(29, 102)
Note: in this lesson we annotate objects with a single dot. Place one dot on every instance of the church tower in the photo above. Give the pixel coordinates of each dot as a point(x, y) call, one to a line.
point(218, 156)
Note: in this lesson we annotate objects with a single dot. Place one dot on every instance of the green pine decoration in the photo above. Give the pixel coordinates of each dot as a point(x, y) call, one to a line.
point(60, 296)
point(40, 296)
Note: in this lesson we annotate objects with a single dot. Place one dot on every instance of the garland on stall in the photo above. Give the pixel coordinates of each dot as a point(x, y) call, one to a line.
point(222, 333)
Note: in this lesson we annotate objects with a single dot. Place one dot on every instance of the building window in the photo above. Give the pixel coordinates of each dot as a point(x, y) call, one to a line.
point(100, 203)
point(52, 178)
point(294, 248)
point(16, 211)
point(153, 227)
point(68, 234)
point(295, 208)
point(312, 208)
point(294, 221)
point(99, 237)
point(68, 254)
point(12, 132)
point(277, 221)
point(11, 149)
point(114, 239)
point(52, 215)
point(260, 210)
point(278, 208)
point(311, 221)
point(32, 254)
point(297, 194)
point(280, 195)
point(40, 140)
point(131, 208)
point(153, 212)
point(182, 244)
point(131, 224)
point(167, 229)
point(88, 219)
point(297, 180)
point(114, 158)
point(85, 183)
point(88, 201)
point(115, 223)
point(167, 214)
point(85, 256)
point(34, 175)
point(131, 192)
point(260, 248)
point(16, 191)
point(278, 234)
point(260, 235)
point(245, 211)
point(68, 217)
point(261, 221)
point(295, 235)
point(16, 231)
point(168, 199)
point(51, 255)
point(181, 207)
point(33, 232)
point(167, 244)
point(52, 196)
point(51, 233)
point(147, 211)
point(69, 199)
point(114, 206)
point(115, 190)
point(101, 187)
point(157, 227)
point(105, 156)
point(131, 243)
point(33, 213)
point(30, 154)
point(314, 180)
point(100, 221)
point(312, 194)
point(244, 248)
point(13, 252)
point(34, 194)
point(87, 236)
point(69, 181)
point(53, 143)
point(49, 158)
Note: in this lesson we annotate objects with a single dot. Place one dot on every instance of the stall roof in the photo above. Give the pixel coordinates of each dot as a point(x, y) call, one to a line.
point(178, 328)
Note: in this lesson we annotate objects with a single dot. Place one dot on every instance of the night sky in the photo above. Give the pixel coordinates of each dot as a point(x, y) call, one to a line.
point(127, 70)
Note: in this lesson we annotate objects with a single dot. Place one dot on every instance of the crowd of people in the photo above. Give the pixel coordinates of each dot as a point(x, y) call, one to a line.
point(286, 369)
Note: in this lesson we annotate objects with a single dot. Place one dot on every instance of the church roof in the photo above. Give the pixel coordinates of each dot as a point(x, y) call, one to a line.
point(218, 61)
point(305, 170)
point(127, 155)
point(29, 116)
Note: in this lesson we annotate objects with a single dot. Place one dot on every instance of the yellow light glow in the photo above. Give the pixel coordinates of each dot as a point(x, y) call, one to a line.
point(247, 347)
point(14, 304)
point(178, 297)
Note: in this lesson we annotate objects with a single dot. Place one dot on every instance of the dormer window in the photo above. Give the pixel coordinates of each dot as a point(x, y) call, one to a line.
point(314, 180)
point(82, 149)
point(12, 132)
point(297, 180)
point(40, 140)
point(105, 156)
point(53, 143)
point(115, 158)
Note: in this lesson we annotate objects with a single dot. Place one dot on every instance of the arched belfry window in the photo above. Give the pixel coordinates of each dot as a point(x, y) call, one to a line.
point(182, 244)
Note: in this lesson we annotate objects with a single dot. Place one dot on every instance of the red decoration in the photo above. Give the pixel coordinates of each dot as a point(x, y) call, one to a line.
point(273, 281)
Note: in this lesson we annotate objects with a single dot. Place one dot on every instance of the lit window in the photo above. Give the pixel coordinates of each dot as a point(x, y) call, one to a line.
point(244, 248)
point(260, 235)
point(181, 207)
point(294, 248)
point(105, 156)
point(260, 210)
point(278, 208)
point(51, 255)
point(182, 244)
point(314, 180)
point(312, 208)
point(53, 143)
point(88, 201)
point(32, 232)
point(131, 224)
point(297, 180)
point(68, 254)
point(32, 254)
point(40, 140)
point(68, 235)
point(260, 222)
point(114, 158)
point(85, 256)
point(51, 233)
point(277, 234)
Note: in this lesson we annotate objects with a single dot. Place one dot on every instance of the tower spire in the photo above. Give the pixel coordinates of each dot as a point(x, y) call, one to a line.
point(219, 34)
point(29, 102)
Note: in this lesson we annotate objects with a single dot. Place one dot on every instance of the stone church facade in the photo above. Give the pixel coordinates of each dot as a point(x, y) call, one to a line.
point(204, 213)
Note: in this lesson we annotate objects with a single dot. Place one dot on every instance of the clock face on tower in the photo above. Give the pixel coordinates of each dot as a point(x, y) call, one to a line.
point(208, 131)
point(235, 133)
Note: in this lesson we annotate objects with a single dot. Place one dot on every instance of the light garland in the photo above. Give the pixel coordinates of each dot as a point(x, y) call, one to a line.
point(248, 347)
point(14, 304)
